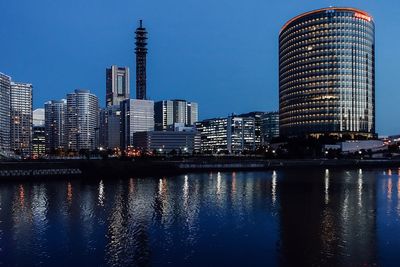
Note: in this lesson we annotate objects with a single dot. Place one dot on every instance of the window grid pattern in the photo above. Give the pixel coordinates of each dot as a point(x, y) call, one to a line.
point(327, 74)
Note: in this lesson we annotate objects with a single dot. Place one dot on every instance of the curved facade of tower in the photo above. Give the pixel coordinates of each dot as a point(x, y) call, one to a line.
point(327, 74)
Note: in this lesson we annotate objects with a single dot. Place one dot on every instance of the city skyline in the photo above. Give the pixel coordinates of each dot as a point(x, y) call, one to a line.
point(235, 73)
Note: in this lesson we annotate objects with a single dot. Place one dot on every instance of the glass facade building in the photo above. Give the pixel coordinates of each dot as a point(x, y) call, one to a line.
point(233, 135)
point(113, 126)
point(213, 135)
point(241, 134)
point(257, 115)
point(327, 74)
point(269, 126)
point(136, 116)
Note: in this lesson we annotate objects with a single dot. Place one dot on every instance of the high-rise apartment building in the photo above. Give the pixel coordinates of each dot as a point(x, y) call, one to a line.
point(117, 85)
point(21, 118)
point(82, 120)
point(168, 112)
point(55, 114)
point(327, 74)
point(136, 116)
point(5, 88)
point(141, 53)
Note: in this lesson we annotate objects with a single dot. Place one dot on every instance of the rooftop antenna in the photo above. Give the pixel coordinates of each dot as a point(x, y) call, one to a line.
point(140, 23)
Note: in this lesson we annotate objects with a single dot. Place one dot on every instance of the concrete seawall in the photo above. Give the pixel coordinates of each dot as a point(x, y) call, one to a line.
point(126, 168)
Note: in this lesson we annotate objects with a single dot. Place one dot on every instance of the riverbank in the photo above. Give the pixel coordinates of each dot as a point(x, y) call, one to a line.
point(157, 167)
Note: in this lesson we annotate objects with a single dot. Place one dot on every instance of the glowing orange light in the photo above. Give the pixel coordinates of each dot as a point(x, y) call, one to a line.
point(69, 192)
point(362, 16)
point(21, 195)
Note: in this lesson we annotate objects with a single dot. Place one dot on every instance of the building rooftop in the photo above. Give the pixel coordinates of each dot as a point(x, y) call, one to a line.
point(323, 10)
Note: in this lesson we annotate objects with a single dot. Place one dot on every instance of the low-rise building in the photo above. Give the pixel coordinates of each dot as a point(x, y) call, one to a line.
point(166, 141)
point(354, 146)
point(358, 145)
point(233, 135)
point(168, 112)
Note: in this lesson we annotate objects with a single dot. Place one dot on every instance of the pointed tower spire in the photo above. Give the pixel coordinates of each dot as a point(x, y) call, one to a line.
point(141, 53)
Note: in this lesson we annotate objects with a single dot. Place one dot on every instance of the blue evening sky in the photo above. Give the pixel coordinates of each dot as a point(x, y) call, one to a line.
point(219, 53)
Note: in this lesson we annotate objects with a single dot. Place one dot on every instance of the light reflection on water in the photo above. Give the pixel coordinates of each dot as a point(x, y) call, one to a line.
point(282, 218)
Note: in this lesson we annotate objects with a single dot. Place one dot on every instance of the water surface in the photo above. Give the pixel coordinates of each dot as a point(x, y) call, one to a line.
point(275, 218)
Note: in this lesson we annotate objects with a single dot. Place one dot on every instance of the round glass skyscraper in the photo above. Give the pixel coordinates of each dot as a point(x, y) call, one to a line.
point(327, 74)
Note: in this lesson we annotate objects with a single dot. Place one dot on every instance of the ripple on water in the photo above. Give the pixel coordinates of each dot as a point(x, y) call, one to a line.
point(288, 218)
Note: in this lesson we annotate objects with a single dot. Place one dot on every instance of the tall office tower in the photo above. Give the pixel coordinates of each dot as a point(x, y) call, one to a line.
point(256, 115)
point(168, 112)
point(21, 118)
point(55, 117)
point(269, 126)
point(5, 88)
point(327, 74)
point(113, 126)
point(136, 116)
point(82, 120)
point(141, 53)
point(38, 133)
point(180, 112)
point(117, 85)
